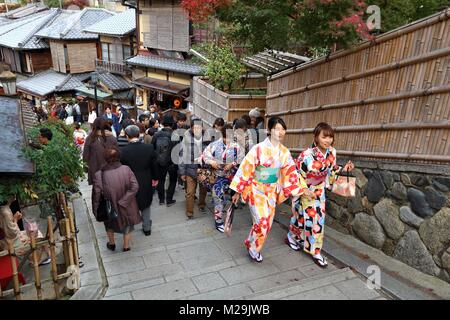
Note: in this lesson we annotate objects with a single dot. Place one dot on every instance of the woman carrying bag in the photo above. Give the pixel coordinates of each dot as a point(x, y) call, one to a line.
point(118, 184)
point(318, 170)
point(221, 155)
point(266, 177)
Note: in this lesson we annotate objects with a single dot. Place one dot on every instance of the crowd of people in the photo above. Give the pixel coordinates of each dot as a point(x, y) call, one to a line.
point(240, 161)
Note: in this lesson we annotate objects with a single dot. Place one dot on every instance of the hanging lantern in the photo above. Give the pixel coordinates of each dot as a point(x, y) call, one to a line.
point(177, 103)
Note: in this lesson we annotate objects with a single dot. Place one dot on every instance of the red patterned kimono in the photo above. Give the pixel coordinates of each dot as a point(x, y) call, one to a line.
point(263, 197)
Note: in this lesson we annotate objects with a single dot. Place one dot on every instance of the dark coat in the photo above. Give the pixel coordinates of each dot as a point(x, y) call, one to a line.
point(120, 186)
point(93, 152)
point(141, 158)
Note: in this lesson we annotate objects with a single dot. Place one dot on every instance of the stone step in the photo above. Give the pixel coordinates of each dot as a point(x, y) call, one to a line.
point(303, 285)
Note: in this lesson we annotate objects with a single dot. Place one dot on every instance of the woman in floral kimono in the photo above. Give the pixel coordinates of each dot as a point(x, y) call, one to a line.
point(318, 169)
point(266, 177)
point(221, 155)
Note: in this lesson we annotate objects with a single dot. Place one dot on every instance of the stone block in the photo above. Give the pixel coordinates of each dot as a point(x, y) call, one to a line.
point(375, 188)
point(227, 293)
point(356, 289)
point(399, 191)
point(435, 199)
point(368, 229)
point(388, 215)
point(328, 292)
point(361, 179)
point(435, 232)
point(419, 180)
point(209, 282)
point(388, 178)
point(167, 291)
point(248, 272)
point(419, 203)
point(408, 217)
point(412, 251)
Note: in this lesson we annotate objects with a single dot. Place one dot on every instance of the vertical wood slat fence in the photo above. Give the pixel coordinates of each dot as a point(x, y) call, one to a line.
point(69, 245)
point(211, 103)
point(387, 99)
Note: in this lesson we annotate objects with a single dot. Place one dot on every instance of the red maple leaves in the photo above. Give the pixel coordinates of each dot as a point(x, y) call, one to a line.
point(200, 10)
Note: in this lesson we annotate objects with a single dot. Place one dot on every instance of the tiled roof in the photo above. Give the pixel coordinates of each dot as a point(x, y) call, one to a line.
point(72, 82)
point(43, 83)
point(29, 9)
point(114, 82)
point(21, 34)
point(69, 24)
point(124, 95)
point(175, 65)
point(117, 25)
point(11, 159)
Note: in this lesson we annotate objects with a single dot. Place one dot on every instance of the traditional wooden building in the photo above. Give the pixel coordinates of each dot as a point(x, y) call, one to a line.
point(162, 70)
point(21, 48)
point(73, 50)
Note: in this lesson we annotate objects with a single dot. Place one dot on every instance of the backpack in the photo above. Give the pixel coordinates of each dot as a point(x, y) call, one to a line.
point(163, 150)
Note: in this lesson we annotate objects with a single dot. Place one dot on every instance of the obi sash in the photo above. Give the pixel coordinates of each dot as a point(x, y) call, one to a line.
point(266, 175)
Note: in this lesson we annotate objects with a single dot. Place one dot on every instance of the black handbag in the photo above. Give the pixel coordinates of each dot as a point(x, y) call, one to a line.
point(105, 210)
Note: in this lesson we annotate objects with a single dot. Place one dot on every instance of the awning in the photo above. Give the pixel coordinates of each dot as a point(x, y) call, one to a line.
point(87, 92)
point(163, 86)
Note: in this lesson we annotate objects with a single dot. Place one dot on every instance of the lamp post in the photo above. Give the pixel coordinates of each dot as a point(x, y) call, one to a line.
point(94, 79)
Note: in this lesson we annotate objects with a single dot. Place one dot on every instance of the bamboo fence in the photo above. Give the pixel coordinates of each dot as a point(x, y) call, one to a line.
point(211, 103)
point(69, 245)
point(388, 99)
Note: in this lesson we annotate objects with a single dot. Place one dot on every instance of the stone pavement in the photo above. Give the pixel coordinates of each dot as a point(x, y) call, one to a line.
point(189, 259)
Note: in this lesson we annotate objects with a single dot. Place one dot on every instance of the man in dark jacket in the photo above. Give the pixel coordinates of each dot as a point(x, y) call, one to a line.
point(162, 142)
point(141, 159)
point(191, 151)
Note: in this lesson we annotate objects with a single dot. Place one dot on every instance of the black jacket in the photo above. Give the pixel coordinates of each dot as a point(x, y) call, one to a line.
point(165, 132)
point(141, 158)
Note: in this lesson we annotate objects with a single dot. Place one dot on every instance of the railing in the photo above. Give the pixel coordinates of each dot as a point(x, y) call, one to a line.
point(63, 283)
point(112, 67)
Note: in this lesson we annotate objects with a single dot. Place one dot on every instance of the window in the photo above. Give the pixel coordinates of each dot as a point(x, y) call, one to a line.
point(126, 52)
point(105, 52)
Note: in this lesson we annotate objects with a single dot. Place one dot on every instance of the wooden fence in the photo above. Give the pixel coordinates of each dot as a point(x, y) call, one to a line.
point(70, 250)
point(388, 99)
point(211, 103)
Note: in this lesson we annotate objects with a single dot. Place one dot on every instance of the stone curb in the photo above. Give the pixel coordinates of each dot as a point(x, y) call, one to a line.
point(397, 279)
point(94, 282)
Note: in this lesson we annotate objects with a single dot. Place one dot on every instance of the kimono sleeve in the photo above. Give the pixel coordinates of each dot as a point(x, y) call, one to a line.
point(291, 182)
point(334, 170)
point(208, 153)
point(243, 179)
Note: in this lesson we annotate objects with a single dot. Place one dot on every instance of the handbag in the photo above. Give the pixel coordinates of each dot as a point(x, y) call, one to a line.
point(105, 210)
point(229, 219)
point(344, 186)
point(206, 176)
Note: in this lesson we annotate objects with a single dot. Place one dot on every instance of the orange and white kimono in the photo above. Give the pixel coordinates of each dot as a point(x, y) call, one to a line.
point(253, 181)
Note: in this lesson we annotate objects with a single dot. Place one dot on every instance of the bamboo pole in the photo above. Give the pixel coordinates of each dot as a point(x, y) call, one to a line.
point(37, 274)
point(403, 156)
point(12, 254)
point(73, 239)
point(404, 30)
point(367, 73)
point(69, 242)
point(445, 124)
point(54, 270)
point(388, 98)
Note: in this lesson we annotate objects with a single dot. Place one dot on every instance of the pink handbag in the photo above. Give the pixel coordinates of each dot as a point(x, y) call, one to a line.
point(344, 186)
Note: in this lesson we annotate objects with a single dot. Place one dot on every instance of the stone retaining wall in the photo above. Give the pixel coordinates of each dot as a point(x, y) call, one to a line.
point(404, 214)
